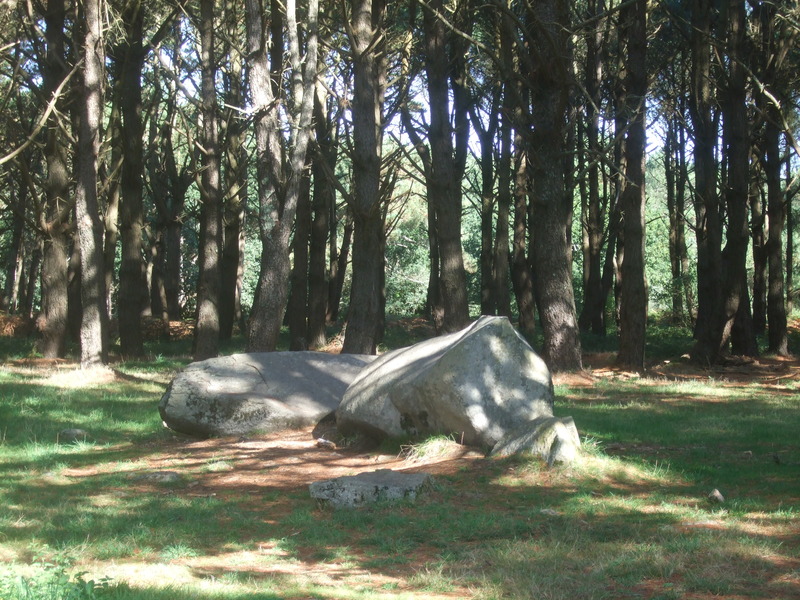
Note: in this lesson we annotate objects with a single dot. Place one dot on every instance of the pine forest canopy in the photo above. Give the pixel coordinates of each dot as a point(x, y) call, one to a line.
point(272, 162)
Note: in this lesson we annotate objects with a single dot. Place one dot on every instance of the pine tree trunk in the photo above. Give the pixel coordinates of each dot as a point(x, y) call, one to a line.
point(368, 80)
point(87, 215)
point(132, 284)
point(235, 170)
point(592, 317)
point(297, 310)
point(323, 203)
point(710, 347)
point(633, 296)
point(521, 274)
point(706, 203)
point(778, 341)
point(444, 185)
point(759, 258)
point(52, 322)
point(551, 204)
point(207, 329)
point(279, 164)
point(338, 269)
point(500, 252)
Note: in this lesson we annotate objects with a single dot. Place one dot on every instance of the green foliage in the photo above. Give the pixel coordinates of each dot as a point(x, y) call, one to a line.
point(407, 263)
point(52, 580)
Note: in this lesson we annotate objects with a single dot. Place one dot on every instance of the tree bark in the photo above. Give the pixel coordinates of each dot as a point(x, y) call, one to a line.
point(207, 328)
point(297, 311)
point(777, 336)
point(52, 321)
point(338, 268)
point(706, 202)
point(444, 187)
point(132, 284)
point(323, 204)
point(759, 257)
point(367, 106)
point(633, 296)
point(279, 171)
point(592, 317)
point(235, 181)
point(710, 347)
point(500, 252)
point(550, 89)
point(87, 215)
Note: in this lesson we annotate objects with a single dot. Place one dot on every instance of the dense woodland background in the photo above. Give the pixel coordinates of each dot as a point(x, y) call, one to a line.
point(260, 164)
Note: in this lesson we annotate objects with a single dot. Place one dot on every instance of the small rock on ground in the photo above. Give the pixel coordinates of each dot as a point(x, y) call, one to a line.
point(367, 488)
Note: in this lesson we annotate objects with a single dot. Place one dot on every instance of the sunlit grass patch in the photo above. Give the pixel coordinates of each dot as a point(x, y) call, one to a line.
point(631, 516)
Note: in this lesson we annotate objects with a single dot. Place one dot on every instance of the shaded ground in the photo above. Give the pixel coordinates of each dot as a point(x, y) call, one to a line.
point(266, 475)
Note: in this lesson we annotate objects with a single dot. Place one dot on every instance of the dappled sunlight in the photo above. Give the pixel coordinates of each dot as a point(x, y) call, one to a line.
point(234, 518)
point(268, 570)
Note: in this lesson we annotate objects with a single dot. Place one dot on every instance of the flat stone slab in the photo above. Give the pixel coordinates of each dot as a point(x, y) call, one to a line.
point(258, 392)
point(367, 488)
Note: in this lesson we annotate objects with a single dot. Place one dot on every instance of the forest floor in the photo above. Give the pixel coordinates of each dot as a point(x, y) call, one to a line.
point(303, 550)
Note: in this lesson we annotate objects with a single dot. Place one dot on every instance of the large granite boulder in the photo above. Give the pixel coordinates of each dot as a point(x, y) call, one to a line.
point(478, 384)
point(258, 392)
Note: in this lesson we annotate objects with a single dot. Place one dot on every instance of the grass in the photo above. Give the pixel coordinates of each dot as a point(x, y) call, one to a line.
point(630, 520)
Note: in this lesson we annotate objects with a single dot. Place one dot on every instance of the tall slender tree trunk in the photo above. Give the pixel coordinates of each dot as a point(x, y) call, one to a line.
point(633, 296)
point(486, 161)
point(207, 329)
point(789, 239)
point(279, 171)
point(364, 316)
point(521, 273)
point(323, 204)
point(297, 311)
point(551, 203)
point(713, 343)
point(500, 251)
point(87, 215)
point(777, 336)
point(15, 259)
point(675, 208)
point(52, 322)
point(592, 317)
point(707, 217)
point(338, 267)
point(235, 174)
point(758, 221)
point(444, 187)
point(133, 288)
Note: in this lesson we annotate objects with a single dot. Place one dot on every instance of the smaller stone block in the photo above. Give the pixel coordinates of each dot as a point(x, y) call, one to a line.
point(554, 439)
point(368, 488)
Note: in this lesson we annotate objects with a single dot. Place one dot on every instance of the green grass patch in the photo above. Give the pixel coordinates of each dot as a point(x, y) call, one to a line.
point(630, 519)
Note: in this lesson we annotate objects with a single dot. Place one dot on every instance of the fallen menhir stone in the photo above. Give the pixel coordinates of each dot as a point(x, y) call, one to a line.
point(554, 439)
point(478, 385)
point(367, 488)
point(257, 392)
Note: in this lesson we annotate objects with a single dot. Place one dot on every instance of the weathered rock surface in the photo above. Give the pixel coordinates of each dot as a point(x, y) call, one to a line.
point(257, 392)
point(367, 488)
point(554, 439)
point(478, 385)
